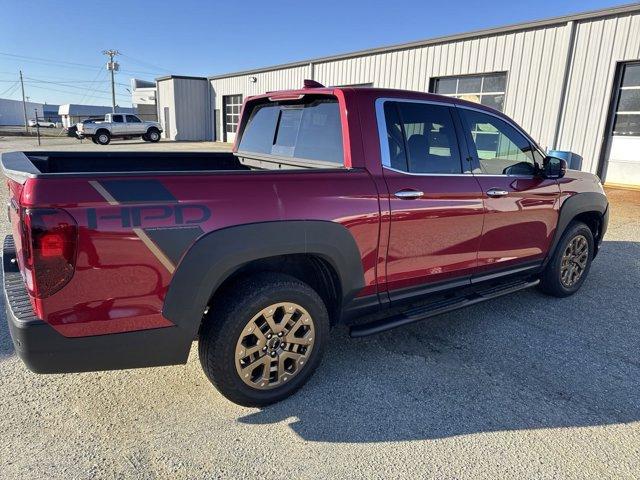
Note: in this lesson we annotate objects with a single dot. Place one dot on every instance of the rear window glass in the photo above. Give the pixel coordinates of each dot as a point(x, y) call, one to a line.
point(309, 131)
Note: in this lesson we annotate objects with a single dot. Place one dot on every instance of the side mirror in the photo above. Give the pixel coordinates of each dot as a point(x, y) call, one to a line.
point(554, 167)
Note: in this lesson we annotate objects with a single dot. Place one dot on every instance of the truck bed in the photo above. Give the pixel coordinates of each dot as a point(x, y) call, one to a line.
point(45, 164)
point(22, 165)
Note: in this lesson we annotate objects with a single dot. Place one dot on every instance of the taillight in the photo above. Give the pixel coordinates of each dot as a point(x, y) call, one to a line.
point(49, 247)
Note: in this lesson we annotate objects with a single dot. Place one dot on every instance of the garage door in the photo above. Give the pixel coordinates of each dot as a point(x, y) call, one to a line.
point(623, 163)
point(231, 106)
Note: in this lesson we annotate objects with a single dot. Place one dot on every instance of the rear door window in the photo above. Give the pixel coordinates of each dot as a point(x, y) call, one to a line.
point(305, 131)
point(422, 138)
point(117, 119)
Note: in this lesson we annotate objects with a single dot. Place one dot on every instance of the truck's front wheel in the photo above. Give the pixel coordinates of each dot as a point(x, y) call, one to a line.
point(153, 135)
point(262, 341)
point(570, 264)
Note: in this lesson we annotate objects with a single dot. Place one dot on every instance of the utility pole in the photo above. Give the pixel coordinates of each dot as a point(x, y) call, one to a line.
point(113, 67)
point(37, 126)
point(24, 106)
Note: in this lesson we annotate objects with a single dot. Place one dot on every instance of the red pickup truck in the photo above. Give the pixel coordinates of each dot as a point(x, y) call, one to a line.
point(371, 207)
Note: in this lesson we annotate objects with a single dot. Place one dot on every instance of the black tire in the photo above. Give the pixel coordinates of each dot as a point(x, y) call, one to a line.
point(145, 138)
point(94, 140)
point(102, 137)
point(227, 320)
point(153, 134)
point(551, 281)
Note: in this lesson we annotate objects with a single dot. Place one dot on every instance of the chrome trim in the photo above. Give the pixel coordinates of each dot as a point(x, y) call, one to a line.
point(408, 194)
point(428, 174)
point(385, 155)
point(496, 192)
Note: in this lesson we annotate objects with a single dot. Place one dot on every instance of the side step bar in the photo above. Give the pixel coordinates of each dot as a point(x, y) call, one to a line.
point(439, 307)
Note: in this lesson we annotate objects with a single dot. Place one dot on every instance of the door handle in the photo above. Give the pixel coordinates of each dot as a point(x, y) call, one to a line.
point(408, 194)
point(496, 192)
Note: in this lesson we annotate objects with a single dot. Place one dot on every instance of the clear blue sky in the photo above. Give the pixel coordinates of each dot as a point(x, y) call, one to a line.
point(191, 37)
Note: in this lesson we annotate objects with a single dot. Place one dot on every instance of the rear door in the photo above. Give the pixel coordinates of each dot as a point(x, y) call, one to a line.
point(521, 206)
point(134, 125)
point(435, 201)
point(118, 125)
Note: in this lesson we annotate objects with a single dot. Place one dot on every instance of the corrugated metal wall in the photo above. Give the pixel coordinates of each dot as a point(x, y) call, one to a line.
point(193, 119)
point(535, 62)
point(599, 45)
point(189, 104)
point(265, 82)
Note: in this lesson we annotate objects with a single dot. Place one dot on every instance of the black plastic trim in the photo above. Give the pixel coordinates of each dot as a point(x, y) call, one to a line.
point(438, 308)
point(574, 206)
point(217, 255)
point(411, 293)
point(528, 268)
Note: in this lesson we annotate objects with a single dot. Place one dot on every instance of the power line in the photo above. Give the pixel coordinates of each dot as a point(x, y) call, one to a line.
point(13, 86)
point(65, 64)
point(146, 64)
point(95, 85)
point(73, 93)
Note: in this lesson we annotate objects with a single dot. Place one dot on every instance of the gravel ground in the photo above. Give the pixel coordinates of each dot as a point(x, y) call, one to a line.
point(525, 386)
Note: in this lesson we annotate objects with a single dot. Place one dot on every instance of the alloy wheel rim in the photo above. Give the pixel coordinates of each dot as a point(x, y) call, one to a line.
point(154, 136)
point(103, 138)
point(274, 345)
point(574, 261)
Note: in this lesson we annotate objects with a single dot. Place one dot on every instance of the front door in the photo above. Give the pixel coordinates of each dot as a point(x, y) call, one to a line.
point(435, 203)
point(521, 207)
point(134, 125)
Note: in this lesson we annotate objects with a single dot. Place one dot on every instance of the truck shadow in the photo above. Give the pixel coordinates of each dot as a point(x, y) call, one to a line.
point(523, 361)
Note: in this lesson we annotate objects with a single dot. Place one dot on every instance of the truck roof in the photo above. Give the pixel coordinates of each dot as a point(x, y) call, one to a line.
point(374, 92)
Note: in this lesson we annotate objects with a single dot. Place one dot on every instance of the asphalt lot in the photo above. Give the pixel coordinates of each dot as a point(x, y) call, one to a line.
point(525, 386)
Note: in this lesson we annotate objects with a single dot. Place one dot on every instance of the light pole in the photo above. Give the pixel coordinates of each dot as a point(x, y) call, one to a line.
point(113, 67)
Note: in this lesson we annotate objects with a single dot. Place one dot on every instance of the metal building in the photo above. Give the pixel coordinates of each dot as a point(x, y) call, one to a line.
point(12, 111)
point(184, 107)
point(572, 82)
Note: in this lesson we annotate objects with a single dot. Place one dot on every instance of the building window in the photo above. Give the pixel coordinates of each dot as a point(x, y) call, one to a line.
point(232, 105)
point(627, 119)
point(486, 89)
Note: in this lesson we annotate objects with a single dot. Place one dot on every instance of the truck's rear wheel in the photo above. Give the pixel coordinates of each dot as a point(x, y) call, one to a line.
point(263, 341)
point(570, 264)
point(153, 135)
point(103, 138)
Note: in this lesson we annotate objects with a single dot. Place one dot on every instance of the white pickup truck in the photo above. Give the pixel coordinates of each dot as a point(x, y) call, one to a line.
point(119, 125)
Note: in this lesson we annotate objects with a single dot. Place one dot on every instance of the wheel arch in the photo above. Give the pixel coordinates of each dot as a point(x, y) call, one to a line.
point(217, 257)
point(590, 208)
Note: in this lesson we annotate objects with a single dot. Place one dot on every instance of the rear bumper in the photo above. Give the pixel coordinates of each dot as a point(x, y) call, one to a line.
point(44, 350)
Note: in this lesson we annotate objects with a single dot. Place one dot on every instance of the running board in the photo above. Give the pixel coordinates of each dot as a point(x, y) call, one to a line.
point(438, 308)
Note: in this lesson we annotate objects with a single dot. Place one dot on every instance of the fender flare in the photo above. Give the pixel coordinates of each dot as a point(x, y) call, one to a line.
point(217, 255)
point(575, 205)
